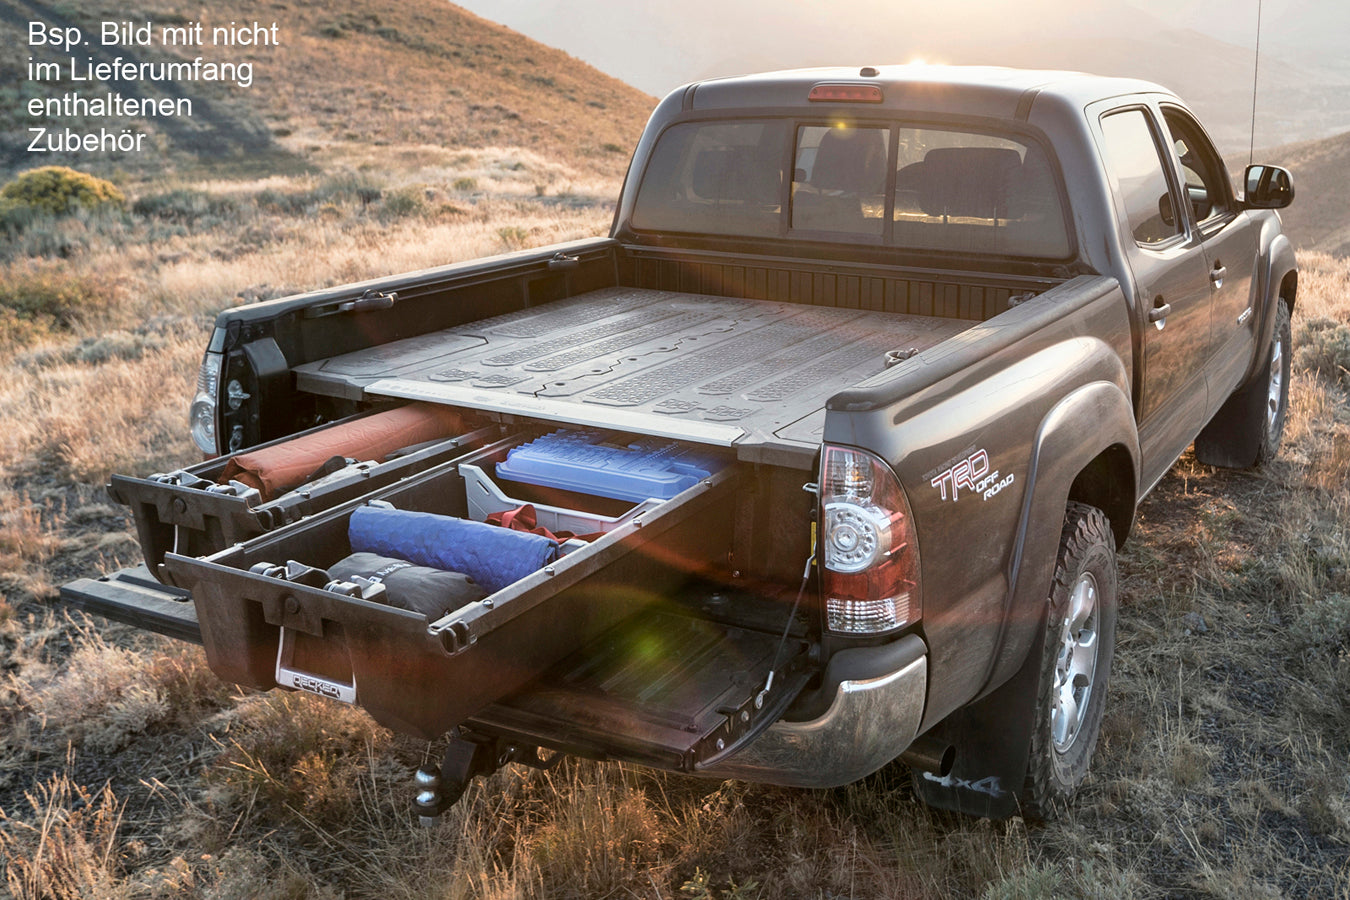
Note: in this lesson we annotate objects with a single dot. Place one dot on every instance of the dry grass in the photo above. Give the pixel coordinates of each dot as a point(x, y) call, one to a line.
point(69, 846)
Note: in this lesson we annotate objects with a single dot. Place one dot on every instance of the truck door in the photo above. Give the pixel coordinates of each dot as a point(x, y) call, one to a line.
point(1171, 286)
point(1229, 239)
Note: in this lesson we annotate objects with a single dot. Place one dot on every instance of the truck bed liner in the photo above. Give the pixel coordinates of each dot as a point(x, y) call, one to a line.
point(754, 374)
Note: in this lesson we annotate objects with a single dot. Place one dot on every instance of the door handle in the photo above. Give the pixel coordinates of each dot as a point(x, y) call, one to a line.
point(1216, 275)
point(1159, 312)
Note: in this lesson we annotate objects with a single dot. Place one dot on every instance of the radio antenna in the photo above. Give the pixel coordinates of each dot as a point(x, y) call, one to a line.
point(1256, 70)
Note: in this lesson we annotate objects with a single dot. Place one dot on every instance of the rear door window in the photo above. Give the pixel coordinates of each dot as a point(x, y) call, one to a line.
point(1133, 160)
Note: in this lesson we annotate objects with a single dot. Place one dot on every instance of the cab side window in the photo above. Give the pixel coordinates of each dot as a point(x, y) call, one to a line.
point(1207, 185)
point(1135, 165)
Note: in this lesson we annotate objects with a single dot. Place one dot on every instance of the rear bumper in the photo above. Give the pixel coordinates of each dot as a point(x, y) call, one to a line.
point(870, 721)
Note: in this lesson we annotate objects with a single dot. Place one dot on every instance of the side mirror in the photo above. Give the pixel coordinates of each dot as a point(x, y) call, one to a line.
point(1268, 187)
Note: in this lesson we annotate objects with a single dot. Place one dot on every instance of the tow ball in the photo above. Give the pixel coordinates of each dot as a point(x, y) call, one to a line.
point(439, 787)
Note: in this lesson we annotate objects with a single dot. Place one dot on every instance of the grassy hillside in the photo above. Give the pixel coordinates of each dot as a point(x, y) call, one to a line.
point(1319, 218)
point(349, 83)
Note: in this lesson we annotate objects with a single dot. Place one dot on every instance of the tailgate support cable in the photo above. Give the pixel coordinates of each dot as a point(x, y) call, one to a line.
point(787, 627)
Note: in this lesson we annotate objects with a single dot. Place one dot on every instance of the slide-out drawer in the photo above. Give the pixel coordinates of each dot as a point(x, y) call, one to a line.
point(200, 509)
point(424, 676)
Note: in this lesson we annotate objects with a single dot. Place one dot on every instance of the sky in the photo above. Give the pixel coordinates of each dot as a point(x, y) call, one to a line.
point(1203, 49)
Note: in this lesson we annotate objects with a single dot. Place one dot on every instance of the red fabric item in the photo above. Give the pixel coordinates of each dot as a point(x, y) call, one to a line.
point(526, 518)
point(275, 470)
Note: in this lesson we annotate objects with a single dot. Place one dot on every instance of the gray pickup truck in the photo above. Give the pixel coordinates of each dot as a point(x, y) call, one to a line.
point(851, 409)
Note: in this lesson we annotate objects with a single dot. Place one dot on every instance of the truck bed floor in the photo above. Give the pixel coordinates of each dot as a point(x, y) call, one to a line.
point(750, 373)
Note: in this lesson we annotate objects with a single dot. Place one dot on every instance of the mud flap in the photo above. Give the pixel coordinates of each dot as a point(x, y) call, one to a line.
point(992, 738)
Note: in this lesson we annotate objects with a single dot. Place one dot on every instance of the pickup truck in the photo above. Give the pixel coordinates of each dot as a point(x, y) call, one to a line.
point(905, 347)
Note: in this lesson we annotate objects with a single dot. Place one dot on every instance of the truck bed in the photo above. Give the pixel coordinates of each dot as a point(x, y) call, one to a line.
point(753, 374)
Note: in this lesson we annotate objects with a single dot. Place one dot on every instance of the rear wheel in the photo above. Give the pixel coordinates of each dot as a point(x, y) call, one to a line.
point(1075, 662)
point(1277, 385)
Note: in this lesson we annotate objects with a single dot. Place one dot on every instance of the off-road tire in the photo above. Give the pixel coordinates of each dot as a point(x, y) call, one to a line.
point(1276, 383)
point(1062, 739)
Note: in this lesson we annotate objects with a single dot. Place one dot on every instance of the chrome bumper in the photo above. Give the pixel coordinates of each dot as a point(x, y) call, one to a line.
point(869, 723)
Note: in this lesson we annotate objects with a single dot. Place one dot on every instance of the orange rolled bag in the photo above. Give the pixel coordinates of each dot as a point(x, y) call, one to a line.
point(275, 470)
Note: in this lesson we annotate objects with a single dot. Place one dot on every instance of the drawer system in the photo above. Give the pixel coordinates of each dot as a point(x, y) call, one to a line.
point(623, 641)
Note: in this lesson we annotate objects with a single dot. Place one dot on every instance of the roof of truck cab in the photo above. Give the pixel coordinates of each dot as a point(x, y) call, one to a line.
point(959, 90)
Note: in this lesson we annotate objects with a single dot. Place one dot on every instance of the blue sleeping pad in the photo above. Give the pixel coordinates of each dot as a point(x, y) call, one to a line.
point(492, 556)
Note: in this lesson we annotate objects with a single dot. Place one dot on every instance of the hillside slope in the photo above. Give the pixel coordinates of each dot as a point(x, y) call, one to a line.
point(420, 72)
point(1319, 218)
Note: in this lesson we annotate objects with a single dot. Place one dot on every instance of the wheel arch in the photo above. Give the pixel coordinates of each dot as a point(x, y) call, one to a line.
point(1064, 467)
point(1278, 279)
point(1108, 483)
point(1289, 288)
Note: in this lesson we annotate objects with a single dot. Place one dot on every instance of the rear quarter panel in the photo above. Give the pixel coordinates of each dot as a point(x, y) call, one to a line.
point(987, 433)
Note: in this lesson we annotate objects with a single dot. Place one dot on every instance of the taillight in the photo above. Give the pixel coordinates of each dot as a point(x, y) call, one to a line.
point(868, 553)
point(202, 413)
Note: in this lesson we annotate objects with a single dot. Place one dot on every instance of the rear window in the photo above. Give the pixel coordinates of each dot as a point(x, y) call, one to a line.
point(715, 179)
point(895, 185)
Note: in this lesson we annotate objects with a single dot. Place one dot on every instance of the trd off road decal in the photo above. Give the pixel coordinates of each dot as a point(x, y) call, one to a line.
point(971, 474)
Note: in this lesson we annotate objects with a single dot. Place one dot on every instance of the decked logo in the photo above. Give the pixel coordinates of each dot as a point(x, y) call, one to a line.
point(316, 686)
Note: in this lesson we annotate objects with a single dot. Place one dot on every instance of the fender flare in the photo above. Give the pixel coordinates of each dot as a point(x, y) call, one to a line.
point(1060, 453)
point(993, 731)
point(1279, 260)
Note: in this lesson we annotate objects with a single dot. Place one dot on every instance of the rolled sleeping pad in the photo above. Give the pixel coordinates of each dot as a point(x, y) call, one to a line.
point(275, 470)
point(493, 557)
point(422, 589)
